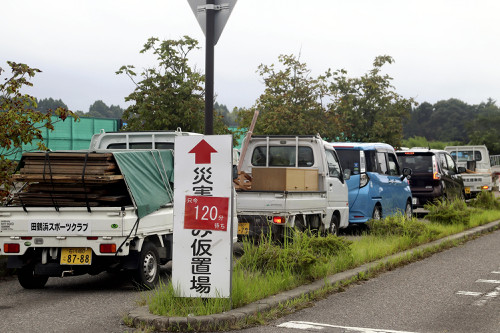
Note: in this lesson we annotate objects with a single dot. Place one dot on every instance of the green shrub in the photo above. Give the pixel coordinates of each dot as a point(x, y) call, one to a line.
point(398, 225)
point(448, 212)
point(297, 255)
point(485, 200)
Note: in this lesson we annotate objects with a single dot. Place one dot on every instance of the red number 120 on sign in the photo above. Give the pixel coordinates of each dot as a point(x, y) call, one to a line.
point(206, 213)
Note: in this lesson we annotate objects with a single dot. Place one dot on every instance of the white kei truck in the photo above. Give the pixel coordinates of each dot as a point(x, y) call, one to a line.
point(106, 209)
point(290, 182)
point(476, 160)
point(87, 212)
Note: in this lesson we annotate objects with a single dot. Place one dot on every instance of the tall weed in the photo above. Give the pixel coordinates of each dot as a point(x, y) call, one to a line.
point(485, 200)
point(297, 255)
point(449, 212)
point(398, 225)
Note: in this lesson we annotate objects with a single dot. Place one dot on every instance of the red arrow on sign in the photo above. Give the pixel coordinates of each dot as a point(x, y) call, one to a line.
point(202, 152)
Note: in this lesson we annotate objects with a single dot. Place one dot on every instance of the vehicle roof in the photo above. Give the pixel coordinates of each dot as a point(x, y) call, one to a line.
point(362, 145)
point(421, 150)
point(466, 147)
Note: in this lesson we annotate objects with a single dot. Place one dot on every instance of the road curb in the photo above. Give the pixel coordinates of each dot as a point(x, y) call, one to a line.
point(141, 317)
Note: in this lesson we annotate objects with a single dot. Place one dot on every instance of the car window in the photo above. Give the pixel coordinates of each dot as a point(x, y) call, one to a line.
point(333, 164)
point(393, 165)
point(382, 163)
point(417, 163)
point(442, 162)
point(451, 164)
point(466, 155)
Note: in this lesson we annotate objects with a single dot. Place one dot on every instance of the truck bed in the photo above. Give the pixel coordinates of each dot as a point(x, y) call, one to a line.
point(250, 202)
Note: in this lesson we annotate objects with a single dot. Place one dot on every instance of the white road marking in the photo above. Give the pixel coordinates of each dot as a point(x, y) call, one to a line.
point(488, 297)
point(495, 272)
point(304, 325)
point(469, 293)
point(489, 281)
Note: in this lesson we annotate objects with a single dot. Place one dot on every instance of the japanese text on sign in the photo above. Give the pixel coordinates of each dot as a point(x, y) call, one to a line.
point(206, 213)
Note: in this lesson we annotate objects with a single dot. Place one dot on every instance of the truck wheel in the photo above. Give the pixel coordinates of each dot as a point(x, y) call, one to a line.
point(148, 272)
point(334, 226)
point(377, 213)
point(299, 223)
point(29, 280)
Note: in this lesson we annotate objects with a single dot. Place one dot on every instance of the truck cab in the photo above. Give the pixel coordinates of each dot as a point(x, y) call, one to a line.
point(476, 162)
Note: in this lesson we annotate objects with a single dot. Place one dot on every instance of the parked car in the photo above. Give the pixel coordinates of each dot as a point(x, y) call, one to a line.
point(435, 176)
point(378, 187)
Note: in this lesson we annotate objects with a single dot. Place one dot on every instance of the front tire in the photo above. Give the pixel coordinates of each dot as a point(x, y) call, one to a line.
point(377, 213)
point(147, 274)
point(408, 210)
point(29, 280)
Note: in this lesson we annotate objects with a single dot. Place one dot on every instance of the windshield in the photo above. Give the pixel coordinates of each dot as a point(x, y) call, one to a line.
point(417, 163)
point(466, 155)
point(283, 156)
point(350, 159)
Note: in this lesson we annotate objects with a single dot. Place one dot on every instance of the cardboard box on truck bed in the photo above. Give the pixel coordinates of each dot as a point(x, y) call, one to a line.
point(284, 179)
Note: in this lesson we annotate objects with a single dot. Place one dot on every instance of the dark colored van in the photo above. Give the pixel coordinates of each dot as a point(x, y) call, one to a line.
point(435, 176)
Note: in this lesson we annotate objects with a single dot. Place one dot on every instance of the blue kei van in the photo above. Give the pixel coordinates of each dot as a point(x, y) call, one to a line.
point(377, 187)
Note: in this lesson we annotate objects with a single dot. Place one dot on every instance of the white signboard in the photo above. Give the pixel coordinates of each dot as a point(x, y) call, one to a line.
point(202, 251)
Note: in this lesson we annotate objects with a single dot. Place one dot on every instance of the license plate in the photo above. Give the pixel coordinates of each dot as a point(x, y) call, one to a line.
point(467, 190)
point(243, 228)
point(76, 256)
point(414, 201)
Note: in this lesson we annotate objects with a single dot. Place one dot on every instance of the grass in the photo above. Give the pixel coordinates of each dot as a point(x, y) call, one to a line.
point(268, 269)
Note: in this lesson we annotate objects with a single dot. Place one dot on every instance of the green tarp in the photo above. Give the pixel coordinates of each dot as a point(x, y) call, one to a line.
point(148, 174)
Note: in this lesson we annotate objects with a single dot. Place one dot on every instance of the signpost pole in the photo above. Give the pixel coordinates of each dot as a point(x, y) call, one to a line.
point(209, 69)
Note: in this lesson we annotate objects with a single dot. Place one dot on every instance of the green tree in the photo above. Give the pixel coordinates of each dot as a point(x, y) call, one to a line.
point(20, 123)
point(170, 95)
point(229, 118)
point(47, 104)
point(483, 129)
point(366, 109)
point(99, 109)
point(291, 102)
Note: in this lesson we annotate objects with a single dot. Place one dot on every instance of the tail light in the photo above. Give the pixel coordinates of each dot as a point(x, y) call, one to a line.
point(107, 248)
point(11, 248)
point(278, 219)
point(362, 162)
point(435, 171)
point(485, 187)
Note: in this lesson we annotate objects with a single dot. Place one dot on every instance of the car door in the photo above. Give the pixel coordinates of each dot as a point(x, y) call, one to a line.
point(456, 178)
point(381, 187)
point(399, 187)
point(336, 186)
point(446, 179)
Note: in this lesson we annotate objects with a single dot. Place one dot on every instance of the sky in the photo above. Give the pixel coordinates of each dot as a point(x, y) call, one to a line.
point(442, 48)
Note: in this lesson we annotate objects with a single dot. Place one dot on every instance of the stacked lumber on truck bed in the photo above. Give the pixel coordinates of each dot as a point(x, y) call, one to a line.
point(70, 180)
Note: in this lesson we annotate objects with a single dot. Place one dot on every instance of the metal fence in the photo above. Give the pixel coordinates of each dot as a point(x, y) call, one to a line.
point(71, 135)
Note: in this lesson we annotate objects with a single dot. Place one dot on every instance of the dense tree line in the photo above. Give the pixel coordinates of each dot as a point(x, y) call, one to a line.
point(98, 109)
point(454, 120)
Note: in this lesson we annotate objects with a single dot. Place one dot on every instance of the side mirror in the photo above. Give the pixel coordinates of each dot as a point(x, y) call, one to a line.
point(461, 170)
point(347, 174)
point(406, 173)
